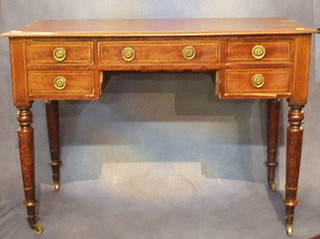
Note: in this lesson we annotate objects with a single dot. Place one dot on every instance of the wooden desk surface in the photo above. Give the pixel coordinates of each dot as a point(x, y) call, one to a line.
point(160, 27)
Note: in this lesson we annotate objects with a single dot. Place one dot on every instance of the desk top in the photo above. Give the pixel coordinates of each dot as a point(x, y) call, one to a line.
point(160, 27)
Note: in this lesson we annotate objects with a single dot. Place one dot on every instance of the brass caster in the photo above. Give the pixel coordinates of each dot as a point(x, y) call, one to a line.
point(272, 186)
point(38, 228)
point(289, 230)
point(57, 186)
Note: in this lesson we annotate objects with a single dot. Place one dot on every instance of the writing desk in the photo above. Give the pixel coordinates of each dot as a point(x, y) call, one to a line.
point(262, 58)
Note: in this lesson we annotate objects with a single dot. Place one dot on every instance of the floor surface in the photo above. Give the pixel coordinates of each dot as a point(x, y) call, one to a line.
point(161, 201)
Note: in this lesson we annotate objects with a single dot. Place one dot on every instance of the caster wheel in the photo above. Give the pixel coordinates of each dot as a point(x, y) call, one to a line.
point(272, 186)
point(289, 230)
point(38, 228)
point(57, 186)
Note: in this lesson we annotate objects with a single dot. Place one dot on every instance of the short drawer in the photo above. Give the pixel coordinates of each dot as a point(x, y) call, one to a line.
point(170, 52)
point(65, 53)
point(62, 84)
point(264, 51)
point(262, 83)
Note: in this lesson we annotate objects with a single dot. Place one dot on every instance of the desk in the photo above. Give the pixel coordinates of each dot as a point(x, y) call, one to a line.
point(262, 58)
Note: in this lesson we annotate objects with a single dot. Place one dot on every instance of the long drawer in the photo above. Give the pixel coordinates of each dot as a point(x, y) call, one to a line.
point(143, 53)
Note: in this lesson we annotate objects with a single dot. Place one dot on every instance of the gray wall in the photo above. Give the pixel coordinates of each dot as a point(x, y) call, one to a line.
point(152, 117)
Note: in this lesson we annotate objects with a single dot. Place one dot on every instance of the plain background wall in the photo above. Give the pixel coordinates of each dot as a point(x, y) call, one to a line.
point(157, 118)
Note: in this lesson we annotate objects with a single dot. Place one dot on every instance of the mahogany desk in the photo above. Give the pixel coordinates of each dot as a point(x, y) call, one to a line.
point(264, 58)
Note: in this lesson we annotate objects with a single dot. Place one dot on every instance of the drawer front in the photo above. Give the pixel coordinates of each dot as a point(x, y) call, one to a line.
point(256, 51)
point(62, 85)
point(158, 53)
point(257, 82)
point(65, 53)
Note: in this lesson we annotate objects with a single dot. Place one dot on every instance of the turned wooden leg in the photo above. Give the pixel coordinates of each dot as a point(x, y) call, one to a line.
point(294, 146)
point(52, 111)
point(273, 131)
point(26, 146)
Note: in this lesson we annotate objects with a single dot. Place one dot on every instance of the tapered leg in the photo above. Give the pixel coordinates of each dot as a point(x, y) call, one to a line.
point(273, 132)
point(26, 146)
point(52, 111)
point(294, 146)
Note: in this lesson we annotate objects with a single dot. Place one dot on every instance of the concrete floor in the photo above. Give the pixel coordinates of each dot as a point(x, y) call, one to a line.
point(160, 201)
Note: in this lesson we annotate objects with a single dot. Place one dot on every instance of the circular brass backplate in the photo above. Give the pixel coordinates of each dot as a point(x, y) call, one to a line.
point(60, 83)
point(189, 52)
point(128, 54)
point(258, 52)
point(258, 80)
point(59, 54)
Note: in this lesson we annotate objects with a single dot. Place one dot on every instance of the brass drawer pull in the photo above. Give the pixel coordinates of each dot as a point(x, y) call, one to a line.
point(258, 81)
point(59, 54)
point(128, 54)
point(189, 52)
point(258, 52)
point(60, 83)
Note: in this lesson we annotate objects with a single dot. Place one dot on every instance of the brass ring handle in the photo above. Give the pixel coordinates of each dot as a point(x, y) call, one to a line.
point(258, 81)
point(189, 52)
point(258, 52)
point(60, 83)
point(59, 54)
point(128, 54)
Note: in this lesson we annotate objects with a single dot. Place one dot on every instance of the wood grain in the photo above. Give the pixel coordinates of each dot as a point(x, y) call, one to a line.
point(276, 50)
point(160, 27)
point(78, 52)
point(223, 46)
